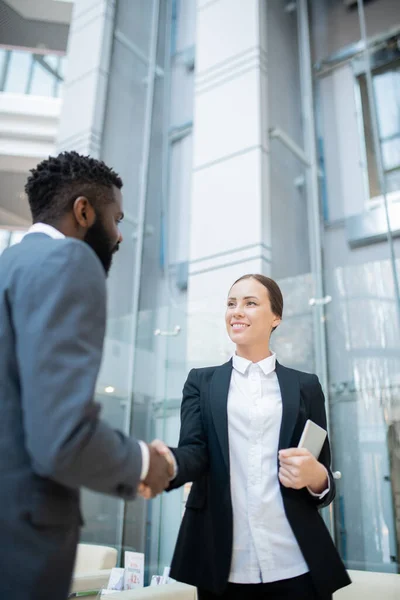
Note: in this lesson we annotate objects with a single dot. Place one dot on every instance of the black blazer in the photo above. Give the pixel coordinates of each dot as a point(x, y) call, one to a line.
point(203, 551)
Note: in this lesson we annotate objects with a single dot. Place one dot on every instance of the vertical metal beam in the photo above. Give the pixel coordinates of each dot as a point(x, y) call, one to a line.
point(378, 149)
point(170, 44)
point(313, 208)
point(137, 263)
point(4, 72)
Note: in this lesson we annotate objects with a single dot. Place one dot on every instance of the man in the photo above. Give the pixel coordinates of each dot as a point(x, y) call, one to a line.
point(52, 324)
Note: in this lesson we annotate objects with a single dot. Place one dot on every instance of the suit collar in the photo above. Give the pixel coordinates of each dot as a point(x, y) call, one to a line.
point(219, 390)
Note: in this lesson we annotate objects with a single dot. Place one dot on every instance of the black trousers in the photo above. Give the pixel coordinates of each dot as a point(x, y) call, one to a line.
point(297, 588)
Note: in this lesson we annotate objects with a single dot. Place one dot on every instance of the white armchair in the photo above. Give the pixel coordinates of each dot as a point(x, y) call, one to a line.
point(93, 567)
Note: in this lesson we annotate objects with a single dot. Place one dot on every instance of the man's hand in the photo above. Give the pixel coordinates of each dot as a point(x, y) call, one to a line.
point(161, 470)
point(299, 469)
point(159, 475)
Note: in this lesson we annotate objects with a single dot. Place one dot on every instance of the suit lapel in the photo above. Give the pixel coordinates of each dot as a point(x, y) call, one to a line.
point(219, 388)
point(290, 391)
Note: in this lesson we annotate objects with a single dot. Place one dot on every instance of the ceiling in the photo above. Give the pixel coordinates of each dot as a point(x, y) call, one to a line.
point(52, 11)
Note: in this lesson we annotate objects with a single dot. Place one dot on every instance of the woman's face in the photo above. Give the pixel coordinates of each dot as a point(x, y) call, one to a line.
point(249, 318)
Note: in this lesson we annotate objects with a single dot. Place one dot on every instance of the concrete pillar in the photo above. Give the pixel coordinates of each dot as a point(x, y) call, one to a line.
point(85, 86)
point(230, 208)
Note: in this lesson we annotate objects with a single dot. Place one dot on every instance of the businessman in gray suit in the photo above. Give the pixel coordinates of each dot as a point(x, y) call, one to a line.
point(52, 324)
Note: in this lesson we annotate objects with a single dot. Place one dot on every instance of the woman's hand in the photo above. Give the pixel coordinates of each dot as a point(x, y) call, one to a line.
point(162, 449)
point(299, 469)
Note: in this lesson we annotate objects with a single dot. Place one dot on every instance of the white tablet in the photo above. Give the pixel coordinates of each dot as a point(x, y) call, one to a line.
point(312, 438)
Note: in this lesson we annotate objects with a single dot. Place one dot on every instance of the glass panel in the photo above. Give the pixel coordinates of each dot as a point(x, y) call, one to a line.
point(151, 405)
point(361, 312)
point(125, 121)
point(22, 72)
point(18, 72)
point(336, 26)
point(363, 333)
point(386, 85)
point(393, 181)
point(3, 66)
point(134, 22)
point(122, 148)
point(129, 392)
point(42, 82)
point(391, 154)
point(387, 93)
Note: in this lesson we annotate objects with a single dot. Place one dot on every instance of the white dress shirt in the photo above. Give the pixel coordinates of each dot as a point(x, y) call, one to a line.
point(264, 546)
point(57, 235)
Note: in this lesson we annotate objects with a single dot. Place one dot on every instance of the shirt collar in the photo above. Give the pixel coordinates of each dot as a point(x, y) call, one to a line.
point(267, 365)
point(47, 230)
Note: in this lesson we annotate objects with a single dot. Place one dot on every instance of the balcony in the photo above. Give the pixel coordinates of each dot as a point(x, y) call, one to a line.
point(30, 104)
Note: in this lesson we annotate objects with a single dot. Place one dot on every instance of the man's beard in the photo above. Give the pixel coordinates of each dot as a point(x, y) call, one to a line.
point(98, 239)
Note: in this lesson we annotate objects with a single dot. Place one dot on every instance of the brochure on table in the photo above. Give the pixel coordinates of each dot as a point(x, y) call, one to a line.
point(132, 575)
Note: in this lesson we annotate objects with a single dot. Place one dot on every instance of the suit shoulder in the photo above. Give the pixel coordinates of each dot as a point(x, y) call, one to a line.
point(78, 251)
point(204, 374)
point(68, 254)
point(204, 370)
point(304, 377)
point(38, 262)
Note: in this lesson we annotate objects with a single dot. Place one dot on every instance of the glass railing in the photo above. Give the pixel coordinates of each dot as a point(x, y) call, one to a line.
point(31, 71)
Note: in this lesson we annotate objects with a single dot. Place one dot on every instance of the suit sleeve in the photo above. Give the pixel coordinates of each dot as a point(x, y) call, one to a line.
point(59, 319)
point(192, 453)
point(318, 415)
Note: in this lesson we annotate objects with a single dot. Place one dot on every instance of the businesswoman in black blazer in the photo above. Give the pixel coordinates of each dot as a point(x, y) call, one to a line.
point(252, 527)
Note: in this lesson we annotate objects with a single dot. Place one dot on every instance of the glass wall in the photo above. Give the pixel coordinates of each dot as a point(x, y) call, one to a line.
point(361, 277)
point(332, 253)
point(132, 134)
point(147, 130)
point(357, 310)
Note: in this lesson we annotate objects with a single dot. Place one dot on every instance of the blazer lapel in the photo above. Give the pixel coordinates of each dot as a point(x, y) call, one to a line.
point(290, 390)
point(219, 388)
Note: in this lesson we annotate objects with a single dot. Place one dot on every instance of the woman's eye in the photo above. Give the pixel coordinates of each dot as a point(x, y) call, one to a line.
point(251, 302)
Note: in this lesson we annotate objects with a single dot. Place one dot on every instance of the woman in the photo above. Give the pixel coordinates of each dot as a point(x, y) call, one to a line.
point(251, 528)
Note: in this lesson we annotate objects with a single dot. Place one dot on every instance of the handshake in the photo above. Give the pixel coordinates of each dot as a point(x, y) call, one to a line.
point(162, 468)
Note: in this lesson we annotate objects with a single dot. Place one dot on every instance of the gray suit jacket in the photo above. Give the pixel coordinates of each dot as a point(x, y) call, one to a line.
point(52, 441)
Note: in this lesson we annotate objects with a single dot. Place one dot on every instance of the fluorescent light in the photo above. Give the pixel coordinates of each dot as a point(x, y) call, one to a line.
point(109, 389)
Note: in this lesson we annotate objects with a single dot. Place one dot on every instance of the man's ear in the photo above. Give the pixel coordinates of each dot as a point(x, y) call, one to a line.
point(84, 212)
